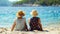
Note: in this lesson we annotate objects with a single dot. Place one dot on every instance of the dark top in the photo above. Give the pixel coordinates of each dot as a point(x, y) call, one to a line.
point(34, 23)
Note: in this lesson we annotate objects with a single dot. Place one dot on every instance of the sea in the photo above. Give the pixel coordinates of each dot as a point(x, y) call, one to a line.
point(48, 15)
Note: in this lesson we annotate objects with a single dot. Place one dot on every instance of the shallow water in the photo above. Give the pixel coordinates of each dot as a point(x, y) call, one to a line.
point(48, 15)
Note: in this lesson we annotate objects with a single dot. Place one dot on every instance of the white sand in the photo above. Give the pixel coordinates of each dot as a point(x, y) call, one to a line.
point(47, 30)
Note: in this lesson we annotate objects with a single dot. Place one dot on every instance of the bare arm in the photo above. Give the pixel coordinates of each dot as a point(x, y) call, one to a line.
point(26, 27)
point(13, 26)
point(29, 24)
point(39, 22)
point(29, 20)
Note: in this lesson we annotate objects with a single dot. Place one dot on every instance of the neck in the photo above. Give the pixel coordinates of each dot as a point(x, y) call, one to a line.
point(19, 17)
point(34, 16)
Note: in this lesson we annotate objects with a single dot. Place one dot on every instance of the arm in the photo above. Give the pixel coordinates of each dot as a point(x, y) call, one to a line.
point(13, 26)
point(29, 20)
point(26, 27)
point(40, 25)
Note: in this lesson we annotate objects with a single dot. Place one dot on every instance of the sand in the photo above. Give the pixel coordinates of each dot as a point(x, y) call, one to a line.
point(47, 30)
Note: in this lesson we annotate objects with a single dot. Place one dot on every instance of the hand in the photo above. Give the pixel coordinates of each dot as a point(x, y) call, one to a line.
point(35, 30)
point(11, 30)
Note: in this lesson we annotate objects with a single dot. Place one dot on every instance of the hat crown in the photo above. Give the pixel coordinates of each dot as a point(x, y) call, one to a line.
point(20, 13)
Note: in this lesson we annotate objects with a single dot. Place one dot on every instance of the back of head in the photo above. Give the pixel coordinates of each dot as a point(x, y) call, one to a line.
point(34, 13)
point(20, 13)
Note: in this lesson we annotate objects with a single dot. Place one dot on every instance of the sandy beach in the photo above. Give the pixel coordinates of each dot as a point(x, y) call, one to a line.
point(47, 30)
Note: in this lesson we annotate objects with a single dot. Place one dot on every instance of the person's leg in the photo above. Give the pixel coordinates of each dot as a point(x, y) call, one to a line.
point(39, 29)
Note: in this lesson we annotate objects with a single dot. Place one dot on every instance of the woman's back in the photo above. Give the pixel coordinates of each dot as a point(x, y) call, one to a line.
point(34, 23)
point(20, 24)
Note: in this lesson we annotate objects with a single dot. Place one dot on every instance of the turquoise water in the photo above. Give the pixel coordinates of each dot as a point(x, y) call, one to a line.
point(48, 15)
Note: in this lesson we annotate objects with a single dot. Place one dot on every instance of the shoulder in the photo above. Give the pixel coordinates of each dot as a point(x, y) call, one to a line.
point(30, 18)
point(37, 17)
point(24, 18)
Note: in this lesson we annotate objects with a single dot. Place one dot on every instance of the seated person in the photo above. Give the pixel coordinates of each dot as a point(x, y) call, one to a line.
point(34, 22)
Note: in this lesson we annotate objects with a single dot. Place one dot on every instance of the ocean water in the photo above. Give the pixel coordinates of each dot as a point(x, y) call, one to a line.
point(48, 15)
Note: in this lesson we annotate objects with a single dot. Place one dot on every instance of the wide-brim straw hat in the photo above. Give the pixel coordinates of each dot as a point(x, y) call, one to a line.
point(34, 12)
point(20, 13)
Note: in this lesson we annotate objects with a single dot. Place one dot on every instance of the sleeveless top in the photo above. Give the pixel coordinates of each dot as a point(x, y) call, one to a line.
point(34, 23)
point(20, 23)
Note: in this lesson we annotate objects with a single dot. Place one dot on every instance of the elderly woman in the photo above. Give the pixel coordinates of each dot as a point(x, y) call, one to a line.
point(35, 23)
point(20, 22)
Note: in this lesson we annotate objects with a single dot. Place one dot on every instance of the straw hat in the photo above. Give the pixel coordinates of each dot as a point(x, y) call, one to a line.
point(34, 13)
point(20, 13)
